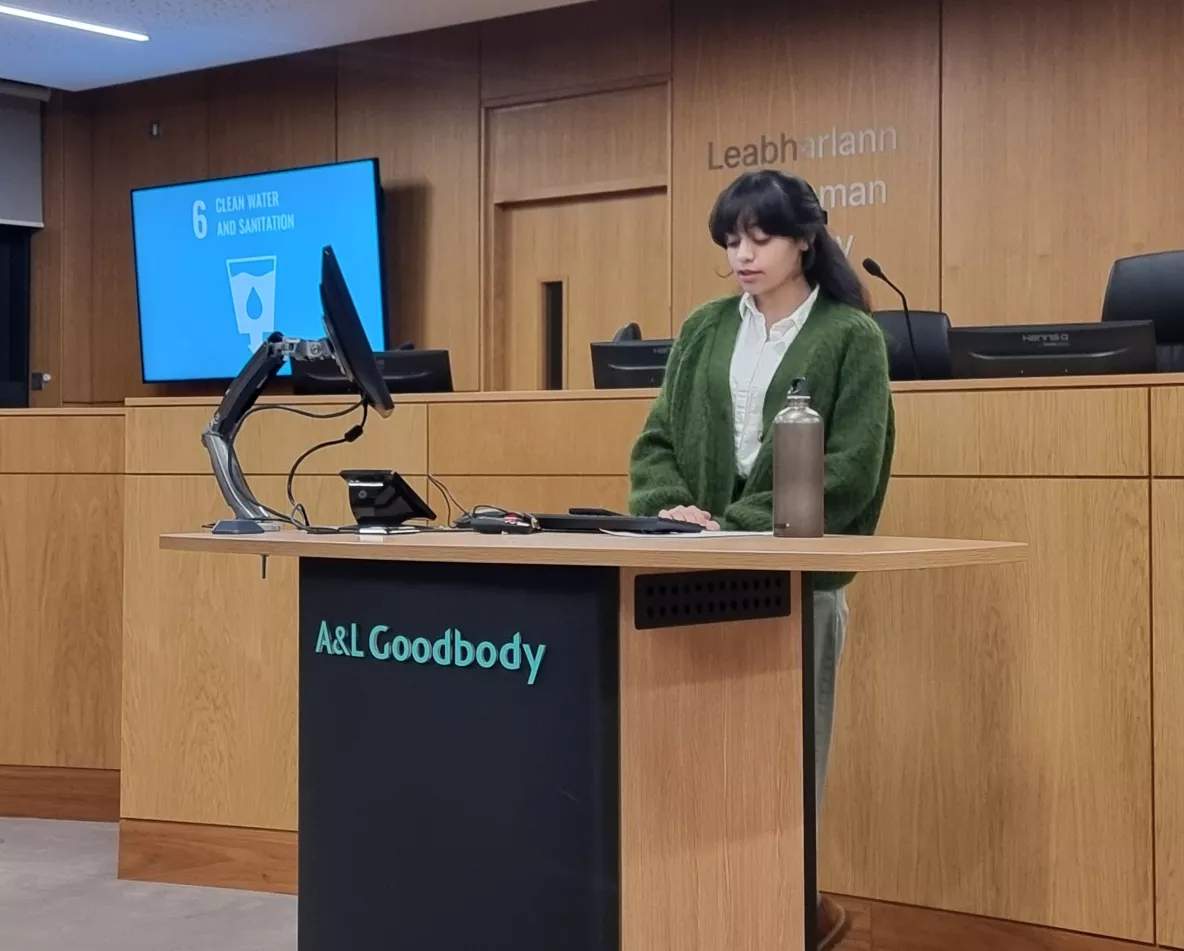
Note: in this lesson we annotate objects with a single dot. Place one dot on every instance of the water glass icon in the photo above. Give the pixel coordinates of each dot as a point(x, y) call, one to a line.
point(252, 287)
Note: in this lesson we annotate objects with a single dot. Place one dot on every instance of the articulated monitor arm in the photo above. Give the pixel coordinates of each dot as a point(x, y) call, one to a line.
point(222, 429)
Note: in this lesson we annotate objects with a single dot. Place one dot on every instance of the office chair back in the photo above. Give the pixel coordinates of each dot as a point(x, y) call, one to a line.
point(1151, 287)
point(930, 329)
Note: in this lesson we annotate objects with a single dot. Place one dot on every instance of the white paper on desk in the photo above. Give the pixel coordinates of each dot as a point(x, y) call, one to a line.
point(681, 535)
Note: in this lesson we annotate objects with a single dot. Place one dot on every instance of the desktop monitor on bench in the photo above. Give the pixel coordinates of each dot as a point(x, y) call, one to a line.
point(405, 370)
point(628, 362)
point(1053, 349)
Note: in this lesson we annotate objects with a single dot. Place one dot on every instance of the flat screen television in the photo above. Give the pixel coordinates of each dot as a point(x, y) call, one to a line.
point(222, 263)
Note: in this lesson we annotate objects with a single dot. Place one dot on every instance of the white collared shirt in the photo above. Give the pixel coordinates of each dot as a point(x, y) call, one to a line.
point(758, 353)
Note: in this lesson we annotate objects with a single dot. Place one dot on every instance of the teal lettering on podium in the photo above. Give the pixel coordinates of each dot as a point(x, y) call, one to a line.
point(450, 649)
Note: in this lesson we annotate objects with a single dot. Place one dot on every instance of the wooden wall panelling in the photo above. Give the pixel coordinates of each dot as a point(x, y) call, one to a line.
point(209, 731)
point(226, 752)
point(530, 493)
point(604, 142)
point(992, 748)
point(1060, 127)
point(1023, 433)
point(272, 114)
point(574, 48)
point(167, 439)
point(60, 313)
point(1167, 623)
point(47, 258)
point(60, 587)
point(127, 157)
point(83, 441)
point(538, 439)
point(805, 73)
point(610, 255)
point(1167, 441)
point(413, 101)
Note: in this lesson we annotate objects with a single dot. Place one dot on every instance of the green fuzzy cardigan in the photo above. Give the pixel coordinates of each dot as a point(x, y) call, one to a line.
point(686, 453)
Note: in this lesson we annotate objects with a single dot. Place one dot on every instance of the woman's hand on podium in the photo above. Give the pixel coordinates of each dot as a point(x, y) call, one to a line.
point(689, 513)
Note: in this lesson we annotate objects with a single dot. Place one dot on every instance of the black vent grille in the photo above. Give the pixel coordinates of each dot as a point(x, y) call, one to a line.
point(709, 597)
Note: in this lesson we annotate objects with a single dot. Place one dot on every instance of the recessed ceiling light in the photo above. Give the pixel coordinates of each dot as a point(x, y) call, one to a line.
point(72, 24)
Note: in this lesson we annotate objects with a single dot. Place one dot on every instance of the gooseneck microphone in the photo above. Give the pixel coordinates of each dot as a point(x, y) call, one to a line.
point(876, 271)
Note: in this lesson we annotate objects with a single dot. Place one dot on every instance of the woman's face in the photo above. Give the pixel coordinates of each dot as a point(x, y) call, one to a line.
point(762, 262)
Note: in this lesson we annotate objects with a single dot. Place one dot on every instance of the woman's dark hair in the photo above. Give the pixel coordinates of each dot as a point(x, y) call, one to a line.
point(784, 205)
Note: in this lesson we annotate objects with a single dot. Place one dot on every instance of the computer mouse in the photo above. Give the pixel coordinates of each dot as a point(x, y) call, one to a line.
point(507, 524)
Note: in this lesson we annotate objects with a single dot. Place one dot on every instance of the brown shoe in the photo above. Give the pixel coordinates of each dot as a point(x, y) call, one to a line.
point(833, 923)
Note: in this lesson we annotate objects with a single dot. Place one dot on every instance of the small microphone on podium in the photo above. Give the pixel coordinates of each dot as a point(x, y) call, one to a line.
point(874, 269)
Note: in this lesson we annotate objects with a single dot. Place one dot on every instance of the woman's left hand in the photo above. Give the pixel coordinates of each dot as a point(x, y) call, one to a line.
point(689, 513)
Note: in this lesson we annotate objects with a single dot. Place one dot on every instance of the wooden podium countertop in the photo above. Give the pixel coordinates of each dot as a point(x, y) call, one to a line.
point(835, 553)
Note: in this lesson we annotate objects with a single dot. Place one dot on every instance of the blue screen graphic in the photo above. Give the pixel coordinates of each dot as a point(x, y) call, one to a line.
point(221, 264)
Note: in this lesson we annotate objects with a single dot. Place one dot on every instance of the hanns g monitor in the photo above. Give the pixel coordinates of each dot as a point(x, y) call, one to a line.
point(1053, 349)
point(629, 364)
point(221, 264)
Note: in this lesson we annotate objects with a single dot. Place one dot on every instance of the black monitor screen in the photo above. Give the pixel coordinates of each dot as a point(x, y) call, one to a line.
point(629, 364)
point(1053, 349)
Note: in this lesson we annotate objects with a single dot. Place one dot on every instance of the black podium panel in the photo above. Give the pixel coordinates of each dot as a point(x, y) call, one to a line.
point(458, 757)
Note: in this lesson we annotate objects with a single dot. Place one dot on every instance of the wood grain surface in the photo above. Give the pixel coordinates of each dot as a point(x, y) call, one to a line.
point(62, 612)
point(711, 783)
point(261, 860)
point(993, 737)
point(1167, 623)
point(1023, 433)
point(880, 926)
point(576, 242)
point(51, 792)
point(62, 442)
point(167, 440)
point(602, 137)
point(542, 437)
point(1033, 122)
point(210, 662)
point(832, 553)
point(573, 49)
point(1167, 434)
point(411, 101)
point(790, 69)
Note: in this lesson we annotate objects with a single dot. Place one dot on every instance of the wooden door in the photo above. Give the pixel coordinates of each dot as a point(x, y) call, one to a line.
point(574, 271)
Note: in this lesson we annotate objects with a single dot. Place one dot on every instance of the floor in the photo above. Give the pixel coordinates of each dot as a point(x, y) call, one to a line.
point(59, 892)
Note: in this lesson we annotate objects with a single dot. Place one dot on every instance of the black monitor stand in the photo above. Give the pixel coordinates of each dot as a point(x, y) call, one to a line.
point(251, 517)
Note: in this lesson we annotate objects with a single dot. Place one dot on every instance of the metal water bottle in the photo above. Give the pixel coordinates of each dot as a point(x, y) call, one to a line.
point(799, 470)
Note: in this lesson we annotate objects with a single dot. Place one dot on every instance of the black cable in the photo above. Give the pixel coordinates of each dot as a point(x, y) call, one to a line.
point(350, 436)
point(308, 414)
point(301, 412)
point(449, 498)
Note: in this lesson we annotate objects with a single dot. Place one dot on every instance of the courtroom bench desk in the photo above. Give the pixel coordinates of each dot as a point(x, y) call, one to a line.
point(61, 577)
point(975, 705)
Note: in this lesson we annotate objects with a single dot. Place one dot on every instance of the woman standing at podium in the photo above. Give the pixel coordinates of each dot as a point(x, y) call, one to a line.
point(701, 457)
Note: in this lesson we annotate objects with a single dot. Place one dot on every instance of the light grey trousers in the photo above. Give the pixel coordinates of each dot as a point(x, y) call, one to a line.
point(830, 633)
